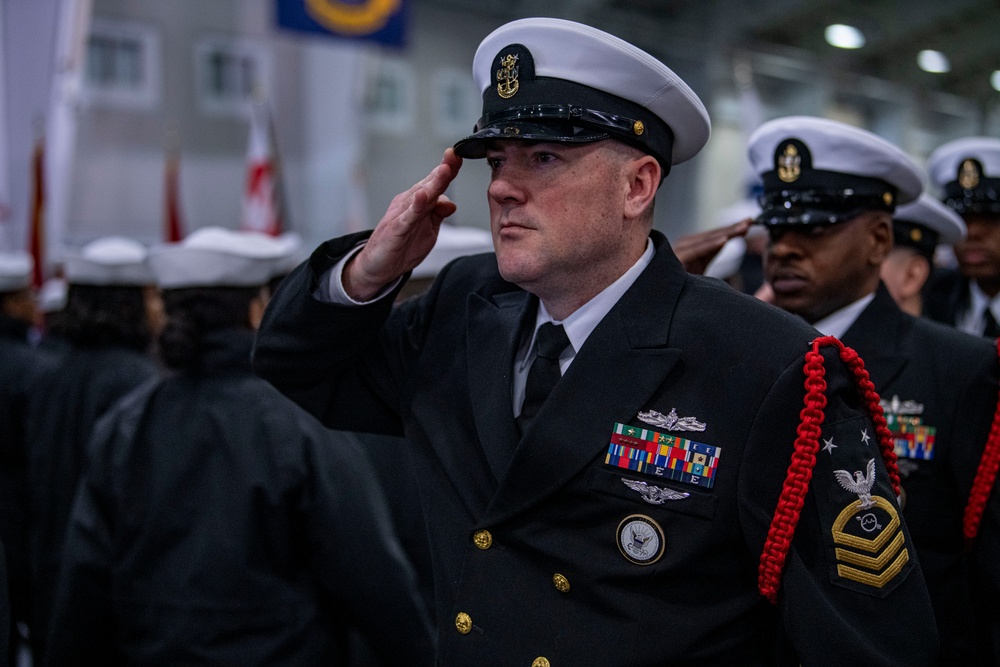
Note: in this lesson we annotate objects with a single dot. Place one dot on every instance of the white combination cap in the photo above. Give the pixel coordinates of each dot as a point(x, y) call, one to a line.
point(15, 270)
point(217, 257)
point(112, 260)
point(552, 80)
point(926, 222)
point(453, 242)
point(821, 171)
point(967, 171)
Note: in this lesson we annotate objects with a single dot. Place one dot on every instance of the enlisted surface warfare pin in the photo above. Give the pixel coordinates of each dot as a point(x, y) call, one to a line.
point(671, 422)
point(640, 539)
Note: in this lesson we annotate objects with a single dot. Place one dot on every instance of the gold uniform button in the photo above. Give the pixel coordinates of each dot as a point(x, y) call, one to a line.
point(464, 623)
point(561, 583)
point(541, 662)
point(482, 539)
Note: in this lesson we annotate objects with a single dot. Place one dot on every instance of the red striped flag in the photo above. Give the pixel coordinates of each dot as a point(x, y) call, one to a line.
point(36, 223)
point(173, 227)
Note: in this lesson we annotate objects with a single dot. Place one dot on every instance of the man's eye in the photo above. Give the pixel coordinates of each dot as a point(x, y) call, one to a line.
point(493, 162)
point(545, 157)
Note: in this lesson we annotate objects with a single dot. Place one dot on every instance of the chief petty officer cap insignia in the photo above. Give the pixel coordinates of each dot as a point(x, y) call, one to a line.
point(967, 172)
point(924, 223)
point(551, 80)
point(820, 172)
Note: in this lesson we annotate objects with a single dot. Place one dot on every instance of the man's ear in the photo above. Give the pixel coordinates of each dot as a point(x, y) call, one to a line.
point(644, 180)
point(880, 228)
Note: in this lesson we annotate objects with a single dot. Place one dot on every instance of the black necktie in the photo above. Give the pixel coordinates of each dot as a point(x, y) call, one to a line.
point(992, 329)
point(550, 341)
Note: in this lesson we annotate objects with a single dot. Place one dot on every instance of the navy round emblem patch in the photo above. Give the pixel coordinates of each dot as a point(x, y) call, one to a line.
point(640, 539)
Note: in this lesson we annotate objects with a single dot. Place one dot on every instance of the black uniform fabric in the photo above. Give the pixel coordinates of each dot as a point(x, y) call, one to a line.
point(949, 379)
point(20, 364)
point(218, 525)
point(74, 392)
point(442, 367)
point(947, 297)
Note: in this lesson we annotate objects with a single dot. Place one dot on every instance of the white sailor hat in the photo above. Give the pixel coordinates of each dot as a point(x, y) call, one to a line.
point(820, 171)
point(453, 242)
point(217, 257)
point(968, 172)
point(112, 260)
point(924, 223)
point(552, 80)
point(15, 270)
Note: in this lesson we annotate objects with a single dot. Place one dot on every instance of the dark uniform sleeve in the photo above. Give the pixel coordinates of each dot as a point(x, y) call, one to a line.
point(357, 557)
point(851, 591)
point(82, 626)
point(299, 351)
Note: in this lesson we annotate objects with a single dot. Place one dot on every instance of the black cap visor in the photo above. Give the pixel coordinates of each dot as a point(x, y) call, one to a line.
point(810, 207)
point(476, 145)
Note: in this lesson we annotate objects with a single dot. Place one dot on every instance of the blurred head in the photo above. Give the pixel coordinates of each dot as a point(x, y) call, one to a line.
point(16, 295)
point(213, 280)
point(967, 172)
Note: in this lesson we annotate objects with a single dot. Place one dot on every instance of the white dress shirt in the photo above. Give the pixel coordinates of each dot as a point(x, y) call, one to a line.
point(971, 320)
point(838, 322)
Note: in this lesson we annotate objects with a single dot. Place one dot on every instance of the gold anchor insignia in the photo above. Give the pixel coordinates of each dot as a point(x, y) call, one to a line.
point(916, 235)
point(789, 164)
point(887, 198)
point(507, 83)
point(968, 175)
point(638, 128)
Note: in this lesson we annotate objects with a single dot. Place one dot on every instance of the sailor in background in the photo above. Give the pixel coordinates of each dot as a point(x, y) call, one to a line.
point(830, 191)
point(217, 523)
point(602, 440)
point(20, 363)
point(918, 228)
point(967, 172)
point(106, 333)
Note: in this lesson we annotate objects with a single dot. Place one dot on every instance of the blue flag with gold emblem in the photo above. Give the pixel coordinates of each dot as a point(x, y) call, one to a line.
point(382, 21)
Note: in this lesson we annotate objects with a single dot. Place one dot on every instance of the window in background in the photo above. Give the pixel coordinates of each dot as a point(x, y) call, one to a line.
point(230, 74)
point(122, 66)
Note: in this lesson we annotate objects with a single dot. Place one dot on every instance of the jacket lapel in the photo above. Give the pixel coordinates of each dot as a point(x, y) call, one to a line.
point(494, 333)
point(875, 336)
point(624, 361)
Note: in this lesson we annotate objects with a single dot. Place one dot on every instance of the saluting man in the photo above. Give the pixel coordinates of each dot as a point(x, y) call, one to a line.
point(830, 191)
point(967, 171)
point(602, 439)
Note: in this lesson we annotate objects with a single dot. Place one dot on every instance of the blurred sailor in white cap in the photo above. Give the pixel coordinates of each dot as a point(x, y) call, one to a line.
point(917, 230)
point(20, 361)
point(106, 330)
point(830, 193)
point(967, 174)
point(282, 534)
point(539, 387)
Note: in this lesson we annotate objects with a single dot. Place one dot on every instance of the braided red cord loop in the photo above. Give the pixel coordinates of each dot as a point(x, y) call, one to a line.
point(986, 475)
point(873, 406)
point(793, 493)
